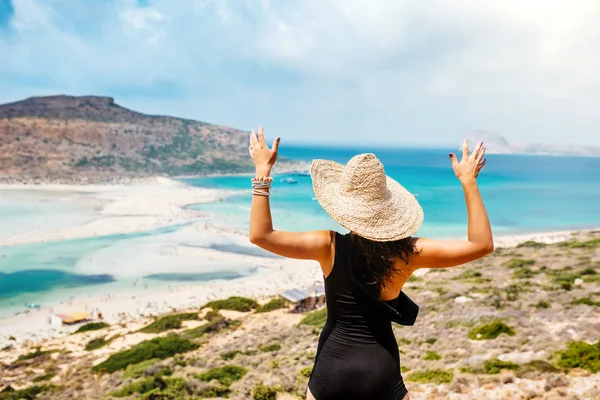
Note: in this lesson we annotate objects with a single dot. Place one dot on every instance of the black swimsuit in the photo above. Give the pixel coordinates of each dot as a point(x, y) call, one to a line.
point(357, 356)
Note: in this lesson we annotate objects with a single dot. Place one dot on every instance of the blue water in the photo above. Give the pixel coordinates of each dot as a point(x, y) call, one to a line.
point(200, 277)
point(522, 194)
point(32, 281)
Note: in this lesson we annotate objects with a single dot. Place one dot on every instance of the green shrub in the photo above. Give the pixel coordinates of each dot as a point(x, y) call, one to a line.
point(519, 263)
point(535, 366)
point(212, 314)
point(542, 304)
point(440, 290)
point(591, 278)
point(402, 341)
point(35, 354)
point(575, 244)
point(564, 278)
point(213, 391)
point(160, 347)
point(430, 340)
point(469, 274)
point(141, 387)
point(216, 324)
point(235, 303)
point(315, 318)
point(524, 273)
point(512, 292)
point(587, 301)
point(432, 356)
point(491, 331)
point(306, 371)
point(494, 366)
point(155, 388)
point(96, 344)
point(230, 355)
point(46, 377)
point(436, 376)
point(466, 370)
point(135, 371)
point(532, 244)
point(270, 347)
point(581, 355)
point(264, 392)
point(169, 322)
point(272, 305)
point(92, 326)
point(225, 375)
point(588, 271)
point(29, 393)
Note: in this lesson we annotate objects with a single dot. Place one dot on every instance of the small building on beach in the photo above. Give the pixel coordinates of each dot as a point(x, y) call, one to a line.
point(59, 320)
point(305, 299)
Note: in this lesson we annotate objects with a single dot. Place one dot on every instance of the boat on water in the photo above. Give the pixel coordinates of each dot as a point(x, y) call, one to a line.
point(289, 180)
point(301, 173)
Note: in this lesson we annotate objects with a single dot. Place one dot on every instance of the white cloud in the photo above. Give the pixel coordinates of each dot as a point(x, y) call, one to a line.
point(413, 70)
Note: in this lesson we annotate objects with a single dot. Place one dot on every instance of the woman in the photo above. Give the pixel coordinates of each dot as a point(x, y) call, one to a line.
point(364, 271)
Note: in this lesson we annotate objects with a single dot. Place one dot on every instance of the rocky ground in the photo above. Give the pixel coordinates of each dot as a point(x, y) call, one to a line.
point(523, 323)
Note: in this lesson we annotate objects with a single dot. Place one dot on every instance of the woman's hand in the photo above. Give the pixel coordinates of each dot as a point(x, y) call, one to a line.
point(480, 242)
point(263, 157)
point(468, 168)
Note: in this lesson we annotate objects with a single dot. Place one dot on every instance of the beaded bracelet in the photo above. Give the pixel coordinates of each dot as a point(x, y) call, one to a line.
point(264, 178)
point(261, 186)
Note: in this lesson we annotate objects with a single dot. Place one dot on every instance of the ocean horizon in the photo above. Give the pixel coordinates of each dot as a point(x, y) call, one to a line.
point(523, 194)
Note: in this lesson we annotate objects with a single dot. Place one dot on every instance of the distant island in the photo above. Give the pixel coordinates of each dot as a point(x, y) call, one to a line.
point(497, 144)
point(91, 138)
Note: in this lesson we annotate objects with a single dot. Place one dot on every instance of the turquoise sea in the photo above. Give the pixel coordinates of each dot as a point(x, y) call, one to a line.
point(523, 194)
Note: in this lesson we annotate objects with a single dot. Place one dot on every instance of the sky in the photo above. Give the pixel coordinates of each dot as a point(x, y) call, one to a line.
point(413, 72)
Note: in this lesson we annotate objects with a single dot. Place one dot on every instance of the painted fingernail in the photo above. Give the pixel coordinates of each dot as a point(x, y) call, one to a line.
point(450, 155)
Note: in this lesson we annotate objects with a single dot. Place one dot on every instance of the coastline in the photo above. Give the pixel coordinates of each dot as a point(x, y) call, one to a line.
point(294, 166)
point(123, 208)
point(157, 203)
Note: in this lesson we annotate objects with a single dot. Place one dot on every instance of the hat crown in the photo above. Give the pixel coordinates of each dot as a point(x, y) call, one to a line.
point(364, 176)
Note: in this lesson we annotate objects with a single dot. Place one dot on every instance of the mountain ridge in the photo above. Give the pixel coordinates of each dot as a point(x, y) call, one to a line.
point(498, 144)
point(94, 138)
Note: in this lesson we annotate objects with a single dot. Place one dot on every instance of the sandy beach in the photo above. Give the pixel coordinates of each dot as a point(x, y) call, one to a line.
point(138, 207)
point(122, 208)
point(153, 204)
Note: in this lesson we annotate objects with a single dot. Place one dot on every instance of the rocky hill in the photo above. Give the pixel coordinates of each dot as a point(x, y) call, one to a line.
point(94, 138)
point(497, 144)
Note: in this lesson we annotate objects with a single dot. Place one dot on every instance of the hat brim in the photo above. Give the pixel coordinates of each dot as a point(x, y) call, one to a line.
point(395, 217)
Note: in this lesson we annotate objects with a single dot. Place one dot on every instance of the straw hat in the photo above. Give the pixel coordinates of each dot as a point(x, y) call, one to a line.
point(361, 198)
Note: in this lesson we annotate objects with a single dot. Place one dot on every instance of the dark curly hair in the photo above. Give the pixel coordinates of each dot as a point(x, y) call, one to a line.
point(379, 258)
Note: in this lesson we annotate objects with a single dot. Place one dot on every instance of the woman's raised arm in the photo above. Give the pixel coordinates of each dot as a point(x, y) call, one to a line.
point(450, 253)
point(313, 245)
